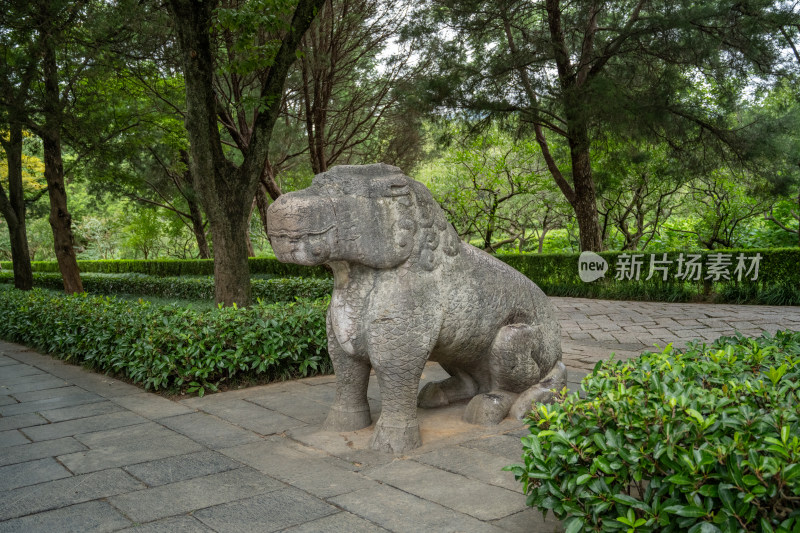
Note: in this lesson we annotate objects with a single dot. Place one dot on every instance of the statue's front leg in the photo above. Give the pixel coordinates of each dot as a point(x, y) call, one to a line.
point(398, 354)
point(350, 409)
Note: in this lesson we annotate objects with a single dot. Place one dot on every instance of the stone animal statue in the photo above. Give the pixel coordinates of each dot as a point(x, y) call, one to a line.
point(406, 291)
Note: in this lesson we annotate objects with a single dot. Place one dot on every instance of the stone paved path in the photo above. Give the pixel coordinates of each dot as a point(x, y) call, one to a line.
point(592, 329)
point(82, 452)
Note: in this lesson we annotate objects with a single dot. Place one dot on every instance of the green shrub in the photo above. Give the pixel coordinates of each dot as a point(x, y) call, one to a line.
point(706, 439)
point(179, 267)
point(169, 347)
point(189, 288)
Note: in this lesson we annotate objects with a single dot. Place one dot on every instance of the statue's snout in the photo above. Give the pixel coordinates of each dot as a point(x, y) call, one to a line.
point(301, 229)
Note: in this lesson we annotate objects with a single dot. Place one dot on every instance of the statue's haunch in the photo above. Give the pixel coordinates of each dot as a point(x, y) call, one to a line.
point(407, 290)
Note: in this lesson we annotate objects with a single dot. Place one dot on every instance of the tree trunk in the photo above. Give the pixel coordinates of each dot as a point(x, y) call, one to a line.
point(585, 200)
point(229, 223)
point(227, 191)
point(251, 252)
point(541, 240)
point(199, 230)
point(60, 218)
point(13, 209)
point(262, 203)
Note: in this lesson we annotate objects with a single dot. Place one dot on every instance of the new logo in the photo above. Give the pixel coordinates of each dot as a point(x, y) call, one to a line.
point(591, 266)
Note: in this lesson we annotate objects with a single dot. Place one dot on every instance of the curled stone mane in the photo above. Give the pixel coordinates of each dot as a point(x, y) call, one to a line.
point(436, 236)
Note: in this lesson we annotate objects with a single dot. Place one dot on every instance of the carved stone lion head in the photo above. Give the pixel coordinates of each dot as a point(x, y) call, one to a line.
point(372, 215)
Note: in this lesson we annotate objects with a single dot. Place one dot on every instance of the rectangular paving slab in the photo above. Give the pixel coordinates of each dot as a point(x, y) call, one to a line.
point(127, 446)
point(468, 496)
point(31, 473)
point(21, 421)
point(176, 524)
point(83, 425)
point(33, 383)
point(530, 521)
point(182, 467)
point(209, 430)
point(295, 405)
point(474, 464)
point(64, 492)
point(12, 437)
point(268, 512)
point(63, 391)
point(39, 450)
point(82, 411)
point(342, 522)
point(7, 400)
point(70, 399)
point(506, 446)
point(399, 511)
point(151, 405)
point(11, 372)
point(194, 494)
point(90, 517)
point(313, 473)
point(251, 416)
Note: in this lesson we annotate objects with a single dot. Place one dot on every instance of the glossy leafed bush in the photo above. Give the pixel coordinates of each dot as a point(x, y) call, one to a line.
point(169, 347)
point(706, 439)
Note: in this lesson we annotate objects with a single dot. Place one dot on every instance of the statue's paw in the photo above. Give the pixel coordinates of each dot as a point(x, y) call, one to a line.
point(489, 408)
point(431, 396)
point(347, 418)
point(397, 438)
point(542, 392)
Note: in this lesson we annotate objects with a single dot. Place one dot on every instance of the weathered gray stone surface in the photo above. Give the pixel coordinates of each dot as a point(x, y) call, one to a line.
point(182, 524)
point(77, 426)
point(31, 473)
point(397, 510)
point(90, 517)
point(468, 496)
point(181, 468)
point(12, 437)
point(150, 405)
point(39, 450)
point(272, 511)
point(193, 494)
point(82, 411)
point(408, 290)
point(126, 446)
point(311, 471)
point(65, 492)
point(210, 430)
point(68, 399)
point(338, 523)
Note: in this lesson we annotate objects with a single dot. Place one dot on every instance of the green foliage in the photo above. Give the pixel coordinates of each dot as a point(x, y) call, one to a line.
point(778, 278)
point(703, 440)
point(179, 267)
point(187, 288)
point(494, 187)
point(169, 347)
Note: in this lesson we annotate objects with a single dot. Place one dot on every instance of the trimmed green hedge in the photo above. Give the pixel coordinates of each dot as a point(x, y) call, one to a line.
point(179, 267)
point(169, 347)
point(269, 290)
point(778, 280)
point(701, 440)
point(778, 277)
